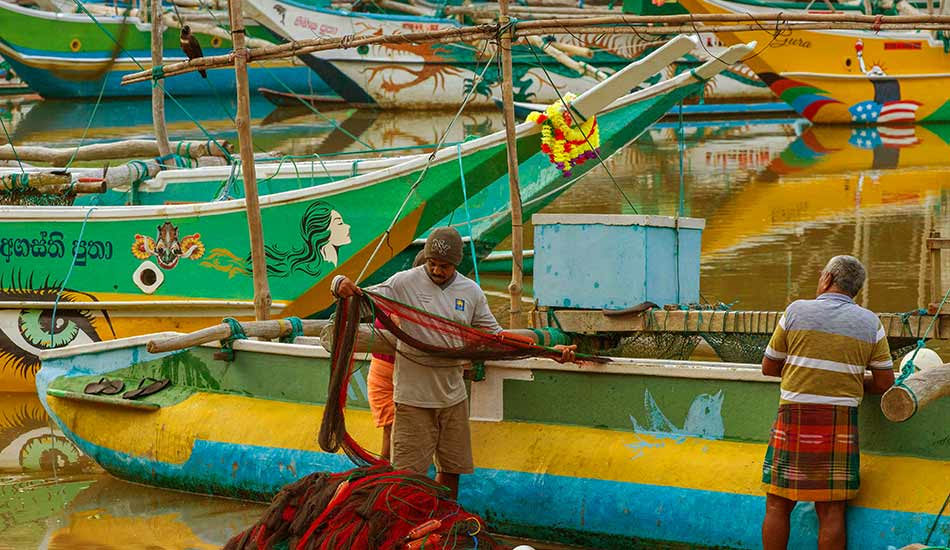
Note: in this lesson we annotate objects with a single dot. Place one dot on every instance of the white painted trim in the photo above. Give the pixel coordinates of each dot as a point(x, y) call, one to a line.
point(487, 400)
point(617, 219)
point(138, 304)
point(289, 168)
point(409, 164)
point(107, 345)
point(706, 370)
point(831, 76)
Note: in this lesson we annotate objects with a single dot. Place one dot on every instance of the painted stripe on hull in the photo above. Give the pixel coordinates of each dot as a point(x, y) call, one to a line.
point(576, 510)
point(671, 476)
point(51, 84)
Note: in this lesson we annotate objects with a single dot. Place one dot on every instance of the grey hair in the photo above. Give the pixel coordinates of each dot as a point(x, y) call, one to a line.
point(847, 273)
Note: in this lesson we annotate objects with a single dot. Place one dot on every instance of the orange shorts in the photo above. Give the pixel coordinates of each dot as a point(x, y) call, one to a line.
point(380, 389)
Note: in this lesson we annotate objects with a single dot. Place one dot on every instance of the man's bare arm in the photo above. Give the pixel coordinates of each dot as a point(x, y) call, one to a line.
point(772, 367)
point(880, 381)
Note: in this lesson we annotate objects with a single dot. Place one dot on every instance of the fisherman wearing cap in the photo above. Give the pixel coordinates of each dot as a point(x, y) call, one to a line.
point(431, 416)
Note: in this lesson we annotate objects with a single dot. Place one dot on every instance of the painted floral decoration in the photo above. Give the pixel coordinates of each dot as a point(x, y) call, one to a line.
point(565, 144)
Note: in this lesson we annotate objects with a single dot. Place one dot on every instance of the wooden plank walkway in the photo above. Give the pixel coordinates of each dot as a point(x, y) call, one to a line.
point(737, 322)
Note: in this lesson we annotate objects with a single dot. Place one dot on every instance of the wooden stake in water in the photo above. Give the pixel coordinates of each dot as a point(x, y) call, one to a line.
point(516, 318)
point(158, 87)
point(262, 297)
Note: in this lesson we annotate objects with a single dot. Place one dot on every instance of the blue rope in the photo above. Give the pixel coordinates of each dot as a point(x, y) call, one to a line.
point(468, 216)
point(12, 147)
point(296, 330)
point(118, 43)
point(909, 367)
point(95, 109)
point(62, 287)
point(237, 333)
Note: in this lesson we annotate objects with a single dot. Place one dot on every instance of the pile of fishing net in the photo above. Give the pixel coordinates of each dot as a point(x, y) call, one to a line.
point(366, 508)
point(373, 506)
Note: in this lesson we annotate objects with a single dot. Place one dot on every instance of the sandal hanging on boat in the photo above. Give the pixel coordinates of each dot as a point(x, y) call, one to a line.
point(144, 391)
point(104, 387)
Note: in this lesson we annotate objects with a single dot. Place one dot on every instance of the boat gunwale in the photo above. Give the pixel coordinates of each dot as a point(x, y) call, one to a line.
point(445, 154)
point(670, 368)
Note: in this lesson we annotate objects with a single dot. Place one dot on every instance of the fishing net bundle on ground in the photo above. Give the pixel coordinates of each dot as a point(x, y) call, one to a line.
point(366, 508)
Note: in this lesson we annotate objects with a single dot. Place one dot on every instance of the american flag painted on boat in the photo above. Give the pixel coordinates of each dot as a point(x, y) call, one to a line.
point(884, 136)
point(871, 112)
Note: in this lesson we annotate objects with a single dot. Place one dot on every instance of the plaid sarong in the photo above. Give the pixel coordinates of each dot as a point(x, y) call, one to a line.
point(813, 453)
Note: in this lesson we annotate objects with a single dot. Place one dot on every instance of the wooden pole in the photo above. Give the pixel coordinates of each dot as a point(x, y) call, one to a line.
point(262, 297)
point(130, 148)
point(899, 403)
point(516, 317)
point(158, 87)
point(602, 25)
point(267, 330)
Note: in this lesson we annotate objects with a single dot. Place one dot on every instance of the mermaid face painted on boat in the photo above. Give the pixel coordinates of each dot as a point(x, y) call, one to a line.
point(339, 236)
point(323, 232)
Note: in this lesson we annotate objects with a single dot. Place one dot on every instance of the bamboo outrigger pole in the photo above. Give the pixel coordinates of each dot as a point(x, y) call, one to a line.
point(626, 24)
point(516, 317)
point(262, 297)
point(158, 88)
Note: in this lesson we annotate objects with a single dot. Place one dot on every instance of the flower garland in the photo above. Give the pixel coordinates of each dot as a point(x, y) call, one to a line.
point(566, 145)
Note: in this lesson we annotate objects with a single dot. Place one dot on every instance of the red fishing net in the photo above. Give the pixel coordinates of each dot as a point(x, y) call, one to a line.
point(372, 508)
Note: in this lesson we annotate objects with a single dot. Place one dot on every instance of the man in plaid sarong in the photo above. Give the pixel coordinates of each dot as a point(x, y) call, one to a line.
point(821, 349)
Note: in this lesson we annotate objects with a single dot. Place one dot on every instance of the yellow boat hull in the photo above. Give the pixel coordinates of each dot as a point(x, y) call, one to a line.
point(847, 77)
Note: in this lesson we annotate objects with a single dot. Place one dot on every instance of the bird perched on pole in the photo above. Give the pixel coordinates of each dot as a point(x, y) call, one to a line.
point(191, 47)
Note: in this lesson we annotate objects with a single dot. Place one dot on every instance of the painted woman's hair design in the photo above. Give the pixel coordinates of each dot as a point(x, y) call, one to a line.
point(317, 233)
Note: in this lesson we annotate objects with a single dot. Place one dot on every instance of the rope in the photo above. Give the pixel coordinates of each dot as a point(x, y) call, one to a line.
point(468, 216)
point(69, 272)
point(909, 367)
point(12, 147)
point(296, 329)
point(937, 520)
point(237, 333)
point(316, 111)
point(121, 48)
point(681, 148)
point(425, 169)
point(592, 148)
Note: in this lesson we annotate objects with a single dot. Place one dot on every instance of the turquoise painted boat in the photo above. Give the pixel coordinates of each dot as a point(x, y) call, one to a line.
point(633, 454)
point(79, 58)
point(187, 264)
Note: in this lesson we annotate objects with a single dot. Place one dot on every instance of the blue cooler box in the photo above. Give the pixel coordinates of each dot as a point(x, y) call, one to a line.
point(608, 261)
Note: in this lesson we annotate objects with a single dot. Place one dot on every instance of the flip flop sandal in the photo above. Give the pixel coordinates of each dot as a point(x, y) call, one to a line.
point(113, 387)
point(104, 387)
point(144, 391)
point(95, 388)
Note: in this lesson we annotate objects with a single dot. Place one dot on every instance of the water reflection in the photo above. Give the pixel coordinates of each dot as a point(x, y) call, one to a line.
point(28, 442)
point(293, 130)
point(779, 199)
point(112, 514)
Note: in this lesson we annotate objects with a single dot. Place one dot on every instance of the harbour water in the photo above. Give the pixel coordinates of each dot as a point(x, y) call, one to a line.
point(779, 198)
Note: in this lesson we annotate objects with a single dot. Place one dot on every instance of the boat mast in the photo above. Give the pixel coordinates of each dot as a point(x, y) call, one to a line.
point(158, 87)
point(262, 297)
point(516, 317)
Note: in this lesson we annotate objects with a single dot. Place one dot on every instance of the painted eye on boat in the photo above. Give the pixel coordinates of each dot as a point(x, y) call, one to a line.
point(24, 333)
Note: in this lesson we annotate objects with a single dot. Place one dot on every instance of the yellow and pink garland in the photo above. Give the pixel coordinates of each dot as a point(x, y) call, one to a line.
point(566, 145)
